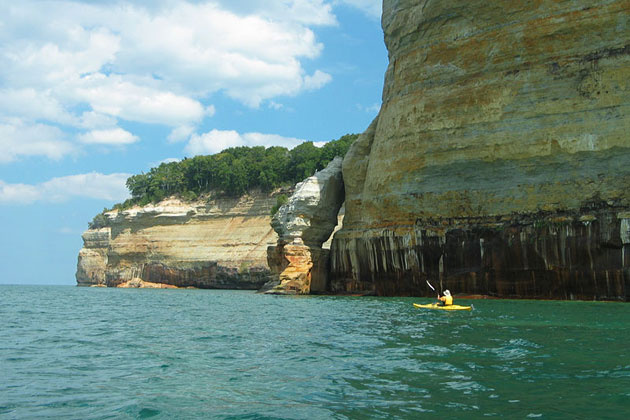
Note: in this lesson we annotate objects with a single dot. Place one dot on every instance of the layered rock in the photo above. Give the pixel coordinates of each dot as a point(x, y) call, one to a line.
point(500, 160)
point(220, 243)
point(298, 261)
point(137, 283)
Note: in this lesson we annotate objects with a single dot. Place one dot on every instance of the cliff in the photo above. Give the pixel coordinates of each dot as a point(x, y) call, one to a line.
point(500, 160)
point(300, 261)
point(220, 243)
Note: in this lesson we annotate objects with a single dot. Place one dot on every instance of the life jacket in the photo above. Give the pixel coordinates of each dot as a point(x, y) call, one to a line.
point(448, 300)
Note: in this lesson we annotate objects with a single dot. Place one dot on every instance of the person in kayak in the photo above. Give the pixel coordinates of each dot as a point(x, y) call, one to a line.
point(446, 300)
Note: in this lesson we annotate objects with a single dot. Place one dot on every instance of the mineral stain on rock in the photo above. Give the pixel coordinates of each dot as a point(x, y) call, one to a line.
point(218, 243)
point(298, 261)
point(499, 163)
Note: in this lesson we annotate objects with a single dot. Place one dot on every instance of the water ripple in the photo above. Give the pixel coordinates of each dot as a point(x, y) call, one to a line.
point(107, 353)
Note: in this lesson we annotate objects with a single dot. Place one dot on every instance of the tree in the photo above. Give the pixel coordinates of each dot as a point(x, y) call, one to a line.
point(280, 201)
point(304, 161)
point(138, 185)
point(233, 171)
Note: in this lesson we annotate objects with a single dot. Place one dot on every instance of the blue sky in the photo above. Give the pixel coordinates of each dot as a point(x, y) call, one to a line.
point(94, 91)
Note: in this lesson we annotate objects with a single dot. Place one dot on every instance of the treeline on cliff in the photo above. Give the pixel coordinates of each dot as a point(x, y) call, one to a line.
point(233, 171)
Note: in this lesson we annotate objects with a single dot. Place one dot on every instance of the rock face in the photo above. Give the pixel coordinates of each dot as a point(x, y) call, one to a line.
point(221, 243)
point(298, 261)
point(500, 160)
point(137, 283)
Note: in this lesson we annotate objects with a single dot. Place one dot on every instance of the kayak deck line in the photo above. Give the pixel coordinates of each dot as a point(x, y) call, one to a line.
point(444, 308)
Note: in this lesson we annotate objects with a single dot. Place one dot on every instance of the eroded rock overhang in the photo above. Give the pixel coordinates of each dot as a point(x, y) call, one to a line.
point(298, 261)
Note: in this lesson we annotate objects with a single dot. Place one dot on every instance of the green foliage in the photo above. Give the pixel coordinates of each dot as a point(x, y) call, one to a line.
point(244, 268)
point(304, 161)
point(281, 200)
point(98, 221)
point(335, 148)
point(233, 171)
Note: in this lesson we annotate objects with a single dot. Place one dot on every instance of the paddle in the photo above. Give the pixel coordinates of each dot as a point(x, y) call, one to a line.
point(433, 288)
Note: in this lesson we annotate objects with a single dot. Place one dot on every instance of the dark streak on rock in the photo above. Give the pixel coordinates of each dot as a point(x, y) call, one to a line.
point(551, 256)
point(606, 53)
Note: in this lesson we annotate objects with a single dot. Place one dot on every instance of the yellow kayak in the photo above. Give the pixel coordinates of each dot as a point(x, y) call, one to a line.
point(446, 308)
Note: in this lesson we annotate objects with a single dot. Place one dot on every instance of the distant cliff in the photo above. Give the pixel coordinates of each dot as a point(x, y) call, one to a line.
point(220, 243)
point(500, 160)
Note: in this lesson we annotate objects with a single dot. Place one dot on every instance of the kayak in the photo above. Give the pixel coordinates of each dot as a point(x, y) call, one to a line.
point(446, 308)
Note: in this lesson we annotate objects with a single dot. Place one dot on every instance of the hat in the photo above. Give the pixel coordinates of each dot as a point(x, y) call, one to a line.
point(447, 293)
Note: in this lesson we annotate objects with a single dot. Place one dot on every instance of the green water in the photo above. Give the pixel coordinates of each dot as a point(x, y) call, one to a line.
point(69, 352)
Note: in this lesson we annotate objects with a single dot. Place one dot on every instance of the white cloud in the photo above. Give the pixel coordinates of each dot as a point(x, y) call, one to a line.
point(372, 109)
point(181, 133)
point(112, 95)
point(275, 105)
point(92, 185)
point(216, 140)
point(20, 140)
point(95, 120)
point(317, 80)
point(306, 12)
point(65, 230)
point(35, 60)
point(33, 104)
point(372, 8)
point(114, 136)
point(77, 65)
point(167, 160)
point(18, 193)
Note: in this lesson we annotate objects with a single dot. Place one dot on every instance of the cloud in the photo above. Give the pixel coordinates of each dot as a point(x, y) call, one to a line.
point(65, 230)
point(114, 136)
point(317, 80)
point(32, 104)
point(306, 12)
point(275, 105)
point(18, 193)
point(94, 120)
point(181, 133)
point(167, 160)
point(78, 65)
point(372, 8)
point(210, 110)
point(112, 95)
point(216, 140)
point(18, 139)
point(92, 185)
point(372, 109)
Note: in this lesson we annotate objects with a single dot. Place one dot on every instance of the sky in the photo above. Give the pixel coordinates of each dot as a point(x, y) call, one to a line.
point(92, 92)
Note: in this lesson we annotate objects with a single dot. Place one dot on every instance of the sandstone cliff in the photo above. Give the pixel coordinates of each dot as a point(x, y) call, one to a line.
point(299, 261)
point(221, 243)
point(500, 160)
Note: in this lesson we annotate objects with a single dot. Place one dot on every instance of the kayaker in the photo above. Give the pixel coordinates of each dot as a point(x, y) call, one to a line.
point(445, 300)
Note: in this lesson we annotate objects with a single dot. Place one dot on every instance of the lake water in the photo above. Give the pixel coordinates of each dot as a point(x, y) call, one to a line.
point(82, 353)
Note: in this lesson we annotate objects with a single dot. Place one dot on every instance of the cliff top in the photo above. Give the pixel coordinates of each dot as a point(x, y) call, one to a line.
point(254, 203)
